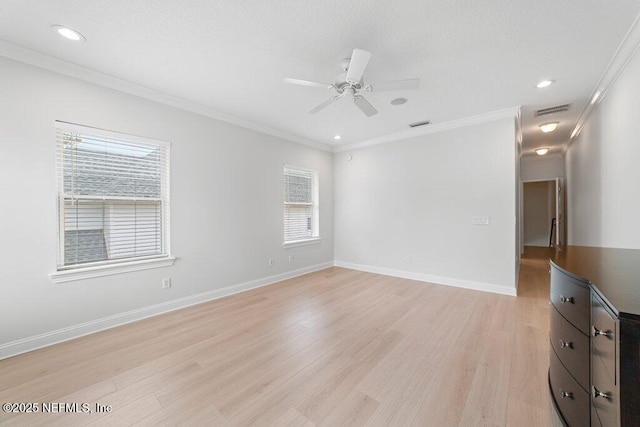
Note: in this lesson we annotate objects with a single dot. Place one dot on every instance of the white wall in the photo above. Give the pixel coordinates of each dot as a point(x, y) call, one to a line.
point(416, 197)
point(603, 172)
point(226, 204)
point(538, 168)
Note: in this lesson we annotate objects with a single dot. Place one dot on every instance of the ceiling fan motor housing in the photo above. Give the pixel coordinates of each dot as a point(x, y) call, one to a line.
point(341, 83)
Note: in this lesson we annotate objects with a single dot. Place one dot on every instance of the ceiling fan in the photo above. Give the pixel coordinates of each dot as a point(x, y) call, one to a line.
point(350, 83)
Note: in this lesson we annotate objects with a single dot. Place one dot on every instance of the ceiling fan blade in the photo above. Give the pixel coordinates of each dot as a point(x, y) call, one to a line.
point(359, 60)
point(364, 105)
point(325, 104)
point(395, 85)
point(307, 83)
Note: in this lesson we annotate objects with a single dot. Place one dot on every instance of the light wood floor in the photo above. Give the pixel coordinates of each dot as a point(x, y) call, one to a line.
point(336, 347)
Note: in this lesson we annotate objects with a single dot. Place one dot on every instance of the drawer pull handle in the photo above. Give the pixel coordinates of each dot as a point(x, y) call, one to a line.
point(595, 332)
point(566, 344)
point(597, 393)
point(564, 299)
point(566, 394)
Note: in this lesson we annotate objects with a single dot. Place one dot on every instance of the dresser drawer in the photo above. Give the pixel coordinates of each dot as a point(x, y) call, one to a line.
point(571, 298)
point(571, 346)
point(572, 400)
point(604, 394)
point(603, 336)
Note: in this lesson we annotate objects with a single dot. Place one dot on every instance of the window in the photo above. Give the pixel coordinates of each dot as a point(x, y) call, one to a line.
point(301, 210)
point(113, 197)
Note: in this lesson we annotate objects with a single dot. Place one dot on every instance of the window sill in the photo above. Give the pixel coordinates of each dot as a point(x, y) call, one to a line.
point(107, 270)
point(305, 242)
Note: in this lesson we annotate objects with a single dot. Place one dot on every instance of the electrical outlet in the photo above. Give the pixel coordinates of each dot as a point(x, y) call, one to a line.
point(271, 262)
point(408, 259)
point(166, 283)
point(290, 258)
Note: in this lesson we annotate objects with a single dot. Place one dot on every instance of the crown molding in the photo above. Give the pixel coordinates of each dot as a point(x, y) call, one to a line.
point(436, 128)
point(50, 63)
point(618, 63)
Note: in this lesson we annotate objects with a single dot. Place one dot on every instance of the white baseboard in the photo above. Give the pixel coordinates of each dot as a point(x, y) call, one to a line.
point(65, 334)
point(448, 281)
point(35, 342)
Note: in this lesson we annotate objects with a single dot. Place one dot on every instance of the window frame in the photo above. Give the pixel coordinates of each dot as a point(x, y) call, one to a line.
point(107, 267)
point(315, 238)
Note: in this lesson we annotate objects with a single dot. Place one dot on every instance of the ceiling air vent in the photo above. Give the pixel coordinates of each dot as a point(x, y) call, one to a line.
point(416, 124)
point(551, 110)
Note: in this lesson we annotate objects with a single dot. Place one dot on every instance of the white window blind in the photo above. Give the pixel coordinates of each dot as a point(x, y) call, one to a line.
point(113, 197)
point(301, 210)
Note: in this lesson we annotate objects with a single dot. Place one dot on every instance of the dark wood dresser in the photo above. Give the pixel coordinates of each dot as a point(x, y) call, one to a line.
point(594, 365)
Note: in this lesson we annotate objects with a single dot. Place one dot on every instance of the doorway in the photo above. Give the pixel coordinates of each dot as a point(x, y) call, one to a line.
point(543, 219)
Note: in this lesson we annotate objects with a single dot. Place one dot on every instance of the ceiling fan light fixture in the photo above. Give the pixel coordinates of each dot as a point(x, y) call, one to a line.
point(549, 127)
point(399, 101)
point(542, 151)
point(544, 83)
point(68, 33)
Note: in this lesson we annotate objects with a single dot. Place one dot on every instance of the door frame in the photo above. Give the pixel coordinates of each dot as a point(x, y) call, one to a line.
point(521, 203)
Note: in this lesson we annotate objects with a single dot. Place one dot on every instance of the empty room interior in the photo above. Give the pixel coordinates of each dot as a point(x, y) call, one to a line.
point(320, 213)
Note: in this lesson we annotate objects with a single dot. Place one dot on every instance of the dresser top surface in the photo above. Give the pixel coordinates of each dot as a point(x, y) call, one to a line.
point(615, 273)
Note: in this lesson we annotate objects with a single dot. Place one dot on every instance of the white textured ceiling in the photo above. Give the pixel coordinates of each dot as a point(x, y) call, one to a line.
point(472, 56)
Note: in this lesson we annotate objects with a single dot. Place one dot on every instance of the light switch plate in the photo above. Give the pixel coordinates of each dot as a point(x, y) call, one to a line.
point(480, 220)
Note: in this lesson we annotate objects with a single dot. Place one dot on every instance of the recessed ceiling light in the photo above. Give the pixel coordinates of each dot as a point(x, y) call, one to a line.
point(542, 151)
point(399, 101)
point(337, 137)
point(544, 83)
point(68, 33)
point(595, 97)
point(548, 127)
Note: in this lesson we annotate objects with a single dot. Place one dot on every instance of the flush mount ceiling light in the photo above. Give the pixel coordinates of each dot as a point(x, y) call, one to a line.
point(68, 33)
point(549, 127)
point(544, 83)
point(399, 101)
point(337, 137)
point(595, 97)
point(542, 151)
